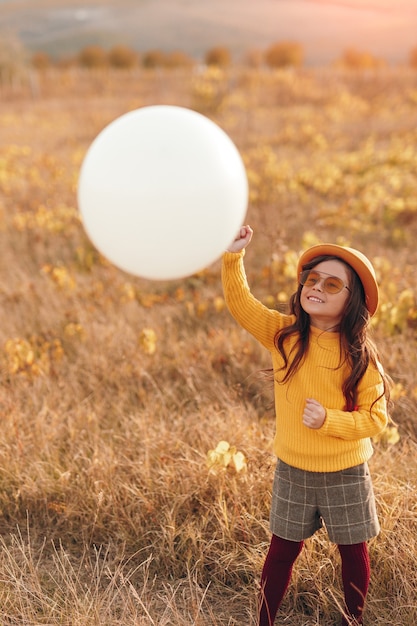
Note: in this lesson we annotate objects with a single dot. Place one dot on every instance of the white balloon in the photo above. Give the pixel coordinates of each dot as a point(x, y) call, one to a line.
point(162, 192)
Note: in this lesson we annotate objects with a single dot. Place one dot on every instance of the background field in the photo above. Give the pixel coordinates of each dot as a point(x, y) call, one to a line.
point(114, 389)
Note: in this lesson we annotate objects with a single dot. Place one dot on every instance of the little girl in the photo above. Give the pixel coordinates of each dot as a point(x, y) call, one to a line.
point(330, 399)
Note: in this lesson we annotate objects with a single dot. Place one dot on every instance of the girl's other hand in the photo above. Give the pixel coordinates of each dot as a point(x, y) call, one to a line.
point(242, 239)
point(314, 414)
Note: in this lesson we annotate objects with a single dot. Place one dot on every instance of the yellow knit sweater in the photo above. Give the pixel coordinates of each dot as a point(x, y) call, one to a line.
point(344, 439)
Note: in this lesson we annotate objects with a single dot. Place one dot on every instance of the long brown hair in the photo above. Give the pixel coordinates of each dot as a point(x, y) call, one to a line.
point(355, 345)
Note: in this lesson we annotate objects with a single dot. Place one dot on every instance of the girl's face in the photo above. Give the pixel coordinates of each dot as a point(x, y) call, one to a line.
point(326, 309)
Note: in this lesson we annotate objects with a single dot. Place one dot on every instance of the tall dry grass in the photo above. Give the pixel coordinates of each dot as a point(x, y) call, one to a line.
point(109, 513)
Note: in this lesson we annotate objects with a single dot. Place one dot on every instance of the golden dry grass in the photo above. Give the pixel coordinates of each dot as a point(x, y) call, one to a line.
point(108, 511)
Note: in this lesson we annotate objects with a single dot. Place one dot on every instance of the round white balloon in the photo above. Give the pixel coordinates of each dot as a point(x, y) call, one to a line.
point(162, 192)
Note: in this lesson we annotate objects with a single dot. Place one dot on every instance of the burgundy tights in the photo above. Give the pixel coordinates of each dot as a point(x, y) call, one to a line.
point(355, 577)
point(276, 576)
point(277, 571)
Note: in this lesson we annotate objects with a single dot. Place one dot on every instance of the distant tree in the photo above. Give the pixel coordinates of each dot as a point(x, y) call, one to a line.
point(284, 54)
point(41, 60)
point(122, 57)
point(413, 57)
point(92, 57)
point(153, 58)
point(178, 59)
point(357, 59)
point(219, 56)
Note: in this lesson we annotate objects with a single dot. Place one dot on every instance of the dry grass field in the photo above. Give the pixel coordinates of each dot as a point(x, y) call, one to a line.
point(114, 389)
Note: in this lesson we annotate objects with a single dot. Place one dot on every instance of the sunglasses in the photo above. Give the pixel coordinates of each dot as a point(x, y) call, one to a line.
point(331, 284)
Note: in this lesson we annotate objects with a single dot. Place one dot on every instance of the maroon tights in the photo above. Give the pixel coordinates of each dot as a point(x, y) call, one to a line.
point(277, 570)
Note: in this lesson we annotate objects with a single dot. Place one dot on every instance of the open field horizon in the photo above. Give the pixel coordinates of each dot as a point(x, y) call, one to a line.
point(115, 389)
point(385, 29)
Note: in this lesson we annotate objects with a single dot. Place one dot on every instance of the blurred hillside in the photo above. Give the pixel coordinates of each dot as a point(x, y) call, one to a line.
point(386, 29)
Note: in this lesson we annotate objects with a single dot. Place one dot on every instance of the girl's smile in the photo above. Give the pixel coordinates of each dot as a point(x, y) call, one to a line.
point(326, 309)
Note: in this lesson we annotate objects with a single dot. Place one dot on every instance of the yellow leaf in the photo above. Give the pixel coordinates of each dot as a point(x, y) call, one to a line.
point(389, 436)
point(226, 456)
point(239, 462)
point(222, 447)
point(147, 341)
point(219, 304)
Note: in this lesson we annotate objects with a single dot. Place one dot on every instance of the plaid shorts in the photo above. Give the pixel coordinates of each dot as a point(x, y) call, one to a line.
point(343, 502)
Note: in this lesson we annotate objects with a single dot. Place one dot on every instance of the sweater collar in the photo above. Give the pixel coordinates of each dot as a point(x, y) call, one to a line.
point(326, 335)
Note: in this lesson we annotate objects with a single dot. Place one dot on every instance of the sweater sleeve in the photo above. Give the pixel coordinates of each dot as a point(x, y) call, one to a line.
point(369, 417)
point(262, 322)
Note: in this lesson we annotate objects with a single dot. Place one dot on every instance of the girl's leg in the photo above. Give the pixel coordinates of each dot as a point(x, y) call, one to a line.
point(276, 576)
point(355, 576)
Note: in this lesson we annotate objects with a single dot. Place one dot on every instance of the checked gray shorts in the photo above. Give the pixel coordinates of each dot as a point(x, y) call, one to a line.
point(344, 502)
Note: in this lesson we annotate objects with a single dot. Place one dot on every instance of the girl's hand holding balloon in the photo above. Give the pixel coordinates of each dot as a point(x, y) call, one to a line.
point(241, 240)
